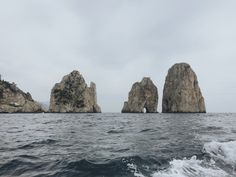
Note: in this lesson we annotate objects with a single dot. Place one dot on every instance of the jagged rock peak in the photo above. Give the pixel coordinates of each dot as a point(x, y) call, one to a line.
point(181, 91)
point(143, 95)
point(14, 100)
point(73, 95)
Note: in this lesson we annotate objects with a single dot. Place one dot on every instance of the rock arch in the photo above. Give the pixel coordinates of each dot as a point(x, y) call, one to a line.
point(143, 95)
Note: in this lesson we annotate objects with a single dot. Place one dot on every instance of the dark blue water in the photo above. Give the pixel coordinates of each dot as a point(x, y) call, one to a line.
point(118, 145)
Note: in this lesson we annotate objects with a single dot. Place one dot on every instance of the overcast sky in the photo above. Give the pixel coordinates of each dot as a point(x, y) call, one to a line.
point(116, 43)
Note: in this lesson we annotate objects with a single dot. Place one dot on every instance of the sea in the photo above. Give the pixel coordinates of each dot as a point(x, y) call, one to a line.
point(118, 145)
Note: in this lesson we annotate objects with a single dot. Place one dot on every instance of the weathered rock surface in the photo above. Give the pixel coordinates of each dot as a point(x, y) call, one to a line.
point(73, 95)
point(181, 91)
point(14, 100)
point(143, 95)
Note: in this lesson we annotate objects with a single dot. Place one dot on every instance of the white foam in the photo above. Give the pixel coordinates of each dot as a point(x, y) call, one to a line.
point(225, 151)
point(191, 168)
point(132, 167)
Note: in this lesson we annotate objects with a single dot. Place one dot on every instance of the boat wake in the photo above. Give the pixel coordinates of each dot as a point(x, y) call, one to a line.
point(219, 160)
point(191, 168)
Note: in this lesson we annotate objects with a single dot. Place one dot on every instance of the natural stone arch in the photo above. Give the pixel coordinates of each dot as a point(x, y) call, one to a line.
point(143, 95)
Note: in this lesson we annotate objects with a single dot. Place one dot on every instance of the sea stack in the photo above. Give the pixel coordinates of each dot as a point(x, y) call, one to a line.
point(73, 95)
point(182, 93)
point(14, 100)
point(143, 95)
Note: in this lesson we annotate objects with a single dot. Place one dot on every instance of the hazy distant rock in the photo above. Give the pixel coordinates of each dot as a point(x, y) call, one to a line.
point(73, 95)
point(14, 100)
point(143, 95)
point(181, 91)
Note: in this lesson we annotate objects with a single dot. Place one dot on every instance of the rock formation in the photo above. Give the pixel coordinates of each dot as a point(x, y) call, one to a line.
point(73, 95)
point(143, 95)
point(181, 91)
point(14, 100)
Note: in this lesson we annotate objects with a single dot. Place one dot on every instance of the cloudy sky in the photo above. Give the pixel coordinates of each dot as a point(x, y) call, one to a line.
point(117, 42)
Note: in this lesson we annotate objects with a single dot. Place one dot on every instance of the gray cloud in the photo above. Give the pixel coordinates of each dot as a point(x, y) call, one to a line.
point(115, 43)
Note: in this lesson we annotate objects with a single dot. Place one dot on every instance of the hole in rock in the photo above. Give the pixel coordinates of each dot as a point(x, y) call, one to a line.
point(144, 110)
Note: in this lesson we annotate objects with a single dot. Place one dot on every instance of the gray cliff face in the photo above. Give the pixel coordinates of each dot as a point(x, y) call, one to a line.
point(181, 91)
point(73, 95)
point(14, 100)
point(143, 95)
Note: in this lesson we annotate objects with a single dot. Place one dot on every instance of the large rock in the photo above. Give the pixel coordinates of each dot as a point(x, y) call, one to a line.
point(143, 95)
point(14, 100)
point(73, 95)
point(181, 91)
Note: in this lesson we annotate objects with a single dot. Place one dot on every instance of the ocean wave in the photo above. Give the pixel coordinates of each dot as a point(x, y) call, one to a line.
point(18, 167)
point(212, 162)
point(219, 155)
point(37, 144)
point(191, 168)
point(115, 131)
point(224, 151)
point(131, 166)
point(147, 130)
